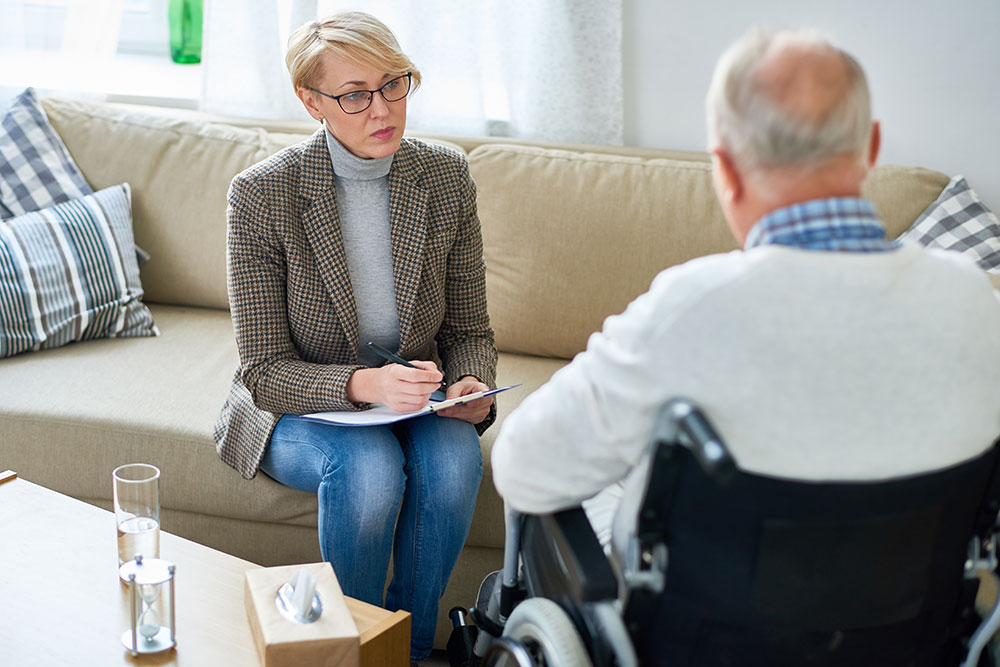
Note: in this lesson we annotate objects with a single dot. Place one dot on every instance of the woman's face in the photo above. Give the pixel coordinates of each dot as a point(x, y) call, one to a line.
point(373, 133)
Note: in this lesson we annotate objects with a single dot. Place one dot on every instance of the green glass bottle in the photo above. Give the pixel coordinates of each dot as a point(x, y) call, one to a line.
point(185, 31)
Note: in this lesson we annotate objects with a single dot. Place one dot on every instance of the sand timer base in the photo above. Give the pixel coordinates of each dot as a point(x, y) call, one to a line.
point(161, 641)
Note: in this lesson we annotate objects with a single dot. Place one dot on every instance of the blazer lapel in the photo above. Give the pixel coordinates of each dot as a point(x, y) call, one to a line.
point(322, 226)
point(407, 215)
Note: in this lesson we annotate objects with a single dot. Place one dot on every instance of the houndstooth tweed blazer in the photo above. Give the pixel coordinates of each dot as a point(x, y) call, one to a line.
point(290, 292)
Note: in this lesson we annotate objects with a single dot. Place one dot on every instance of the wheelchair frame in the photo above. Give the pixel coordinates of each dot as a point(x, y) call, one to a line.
point(569, 567)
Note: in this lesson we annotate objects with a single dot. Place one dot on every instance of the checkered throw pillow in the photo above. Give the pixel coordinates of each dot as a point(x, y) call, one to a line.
point(36, 170)
point(69, 273)
point(958, 220)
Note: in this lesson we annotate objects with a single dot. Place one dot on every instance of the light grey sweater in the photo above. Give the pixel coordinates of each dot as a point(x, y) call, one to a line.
point(363, 204)
point(812, 365)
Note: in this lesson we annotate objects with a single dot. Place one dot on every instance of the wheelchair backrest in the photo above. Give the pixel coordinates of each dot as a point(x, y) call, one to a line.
point(768, 571)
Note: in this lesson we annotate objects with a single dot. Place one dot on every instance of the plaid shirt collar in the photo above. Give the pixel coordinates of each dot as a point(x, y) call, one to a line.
point(844, 224)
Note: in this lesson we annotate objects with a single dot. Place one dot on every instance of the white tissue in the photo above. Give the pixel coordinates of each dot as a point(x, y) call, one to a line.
point(303, 587)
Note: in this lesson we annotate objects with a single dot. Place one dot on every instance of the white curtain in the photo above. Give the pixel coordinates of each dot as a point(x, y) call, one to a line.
point(539, 69)
point(61, 27)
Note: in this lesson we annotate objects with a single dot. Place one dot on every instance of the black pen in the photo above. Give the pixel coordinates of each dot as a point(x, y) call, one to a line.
point(394, 358)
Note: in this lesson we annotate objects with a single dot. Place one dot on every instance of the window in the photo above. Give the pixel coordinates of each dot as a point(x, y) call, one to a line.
point(144, 28)
point(116, 49)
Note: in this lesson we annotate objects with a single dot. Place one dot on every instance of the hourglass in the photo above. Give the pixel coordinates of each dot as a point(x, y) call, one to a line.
point(151, 591)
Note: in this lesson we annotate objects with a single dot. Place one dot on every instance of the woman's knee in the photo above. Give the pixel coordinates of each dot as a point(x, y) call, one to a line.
point(449, 460)
point(370, 465)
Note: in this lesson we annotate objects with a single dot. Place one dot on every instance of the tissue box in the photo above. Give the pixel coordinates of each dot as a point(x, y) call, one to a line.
point(331, 641)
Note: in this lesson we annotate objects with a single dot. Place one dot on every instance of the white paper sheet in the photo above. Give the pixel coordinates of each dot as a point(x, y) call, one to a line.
point(381, 414)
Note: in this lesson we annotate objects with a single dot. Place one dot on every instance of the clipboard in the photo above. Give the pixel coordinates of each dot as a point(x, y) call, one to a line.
point(381, 414)
point(468, 398)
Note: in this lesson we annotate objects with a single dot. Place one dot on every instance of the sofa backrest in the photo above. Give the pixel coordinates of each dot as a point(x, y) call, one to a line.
point(571, 233)
point(179, 172)
point(572, 237)
point(179, 164)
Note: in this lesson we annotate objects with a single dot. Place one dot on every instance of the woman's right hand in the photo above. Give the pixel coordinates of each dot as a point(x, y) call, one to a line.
point(400, 388)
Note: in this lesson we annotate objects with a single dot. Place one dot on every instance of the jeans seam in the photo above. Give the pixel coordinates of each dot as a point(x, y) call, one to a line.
point(416, 523)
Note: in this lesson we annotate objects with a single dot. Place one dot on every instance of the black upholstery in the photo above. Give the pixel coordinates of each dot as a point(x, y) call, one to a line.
point(571, 562)
point(765, 571)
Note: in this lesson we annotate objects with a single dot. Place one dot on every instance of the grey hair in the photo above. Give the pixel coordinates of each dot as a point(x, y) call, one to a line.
point(758, 132)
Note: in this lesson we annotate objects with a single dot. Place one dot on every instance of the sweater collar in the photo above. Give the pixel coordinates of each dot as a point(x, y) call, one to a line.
point(348, 165)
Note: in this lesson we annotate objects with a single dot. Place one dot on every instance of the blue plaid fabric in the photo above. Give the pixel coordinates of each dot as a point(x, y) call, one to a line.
point(69, 273)
point(844, 224)
point(36, 170)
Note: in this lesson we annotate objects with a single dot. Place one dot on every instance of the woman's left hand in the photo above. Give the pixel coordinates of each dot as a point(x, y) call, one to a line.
point(473, 412)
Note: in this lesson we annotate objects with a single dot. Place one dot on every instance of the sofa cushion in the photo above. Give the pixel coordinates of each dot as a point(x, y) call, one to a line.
point(69, 273)
point(531, 372)
point(570, 238)
point(959, 220)
point(90, 411)
point(36, 170)
point(901, 194)
point(180, 172)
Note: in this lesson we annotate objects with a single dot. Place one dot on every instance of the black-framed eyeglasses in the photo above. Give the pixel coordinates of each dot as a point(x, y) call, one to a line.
point(357, 101)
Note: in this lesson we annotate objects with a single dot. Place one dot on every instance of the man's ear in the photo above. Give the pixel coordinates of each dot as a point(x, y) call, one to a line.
point(730, 180)
point(309, 102)
point(875, 143)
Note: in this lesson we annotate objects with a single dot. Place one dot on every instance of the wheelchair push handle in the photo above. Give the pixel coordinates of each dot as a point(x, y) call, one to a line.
point(683, 423)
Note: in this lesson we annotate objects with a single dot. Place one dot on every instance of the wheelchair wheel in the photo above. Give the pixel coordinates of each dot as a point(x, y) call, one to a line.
point(545, 632)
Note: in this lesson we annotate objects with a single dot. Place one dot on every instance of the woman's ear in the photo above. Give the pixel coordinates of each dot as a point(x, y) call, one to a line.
point(309, 102)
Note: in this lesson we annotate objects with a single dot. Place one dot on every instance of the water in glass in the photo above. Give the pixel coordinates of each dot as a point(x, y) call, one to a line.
point(138, 535)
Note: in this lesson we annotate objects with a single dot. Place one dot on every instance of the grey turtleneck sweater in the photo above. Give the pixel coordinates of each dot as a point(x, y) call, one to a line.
point(363, 205)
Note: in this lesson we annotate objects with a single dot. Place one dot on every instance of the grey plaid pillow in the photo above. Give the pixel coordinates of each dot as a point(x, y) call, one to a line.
point(958, 220)
point(36, 170)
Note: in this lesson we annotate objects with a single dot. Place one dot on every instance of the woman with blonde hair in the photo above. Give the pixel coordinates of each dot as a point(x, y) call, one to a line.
point(355, 235)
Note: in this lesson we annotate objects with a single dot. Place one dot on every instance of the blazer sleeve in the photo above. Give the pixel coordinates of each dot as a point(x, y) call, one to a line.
point(465, 339)
point(271, 368)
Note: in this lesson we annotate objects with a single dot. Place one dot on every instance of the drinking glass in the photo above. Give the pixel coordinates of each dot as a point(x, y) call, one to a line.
point(137, 510)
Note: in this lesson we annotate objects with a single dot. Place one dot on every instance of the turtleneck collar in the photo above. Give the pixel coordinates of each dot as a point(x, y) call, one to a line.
point(348, 165)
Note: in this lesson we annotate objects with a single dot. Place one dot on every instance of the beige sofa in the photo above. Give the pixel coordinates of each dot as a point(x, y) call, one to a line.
point(571, 233)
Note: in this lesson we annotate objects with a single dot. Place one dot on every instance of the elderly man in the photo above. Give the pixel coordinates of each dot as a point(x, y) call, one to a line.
point(821, 351)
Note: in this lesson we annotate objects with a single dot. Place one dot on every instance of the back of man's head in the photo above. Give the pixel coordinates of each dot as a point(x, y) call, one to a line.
point(788, 99)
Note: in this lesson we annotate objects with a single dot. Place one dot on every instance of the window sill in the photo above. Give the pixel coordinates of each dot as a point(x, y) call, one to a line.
point(134, 79)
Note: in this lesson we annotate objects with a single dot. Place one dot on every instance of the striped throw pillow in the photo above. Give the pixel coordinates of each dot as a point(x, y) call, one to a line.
point(69, 273)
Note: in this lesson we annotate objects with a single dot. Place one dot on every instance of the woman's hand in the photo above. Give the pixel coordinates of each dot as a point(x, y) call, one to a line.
point(473, 412)
point(400, 388)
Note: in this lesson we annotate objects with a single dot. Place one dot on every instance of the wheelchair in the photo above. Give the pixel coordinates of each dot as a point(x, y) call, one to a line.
point(726, 567)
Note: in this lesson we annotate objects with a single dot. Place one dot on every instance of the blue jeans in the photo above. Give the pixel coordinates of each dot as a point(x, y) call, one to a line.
point(427, 470)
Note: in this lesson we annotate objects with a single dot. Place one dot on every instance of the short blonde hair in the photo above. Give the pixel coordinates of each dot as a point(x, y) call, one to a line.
point(354, 36)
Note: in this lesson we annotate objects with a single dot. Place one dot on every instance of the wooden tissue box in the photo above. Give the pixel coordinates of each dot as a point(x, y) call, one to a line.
point(331, 641)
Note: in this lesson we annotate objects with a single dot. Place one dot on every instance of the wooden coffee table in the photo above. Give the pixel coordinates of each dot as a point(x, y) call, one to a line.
point(61, 602)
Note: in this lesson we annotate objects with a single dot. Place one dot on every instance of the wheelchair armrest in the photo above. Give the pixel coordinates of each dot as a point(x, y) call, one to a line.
point(563, 557)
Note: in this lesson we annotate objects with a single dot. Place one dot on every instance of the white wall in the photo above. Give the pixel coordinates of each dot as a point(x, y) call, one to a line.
point(933, 67)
